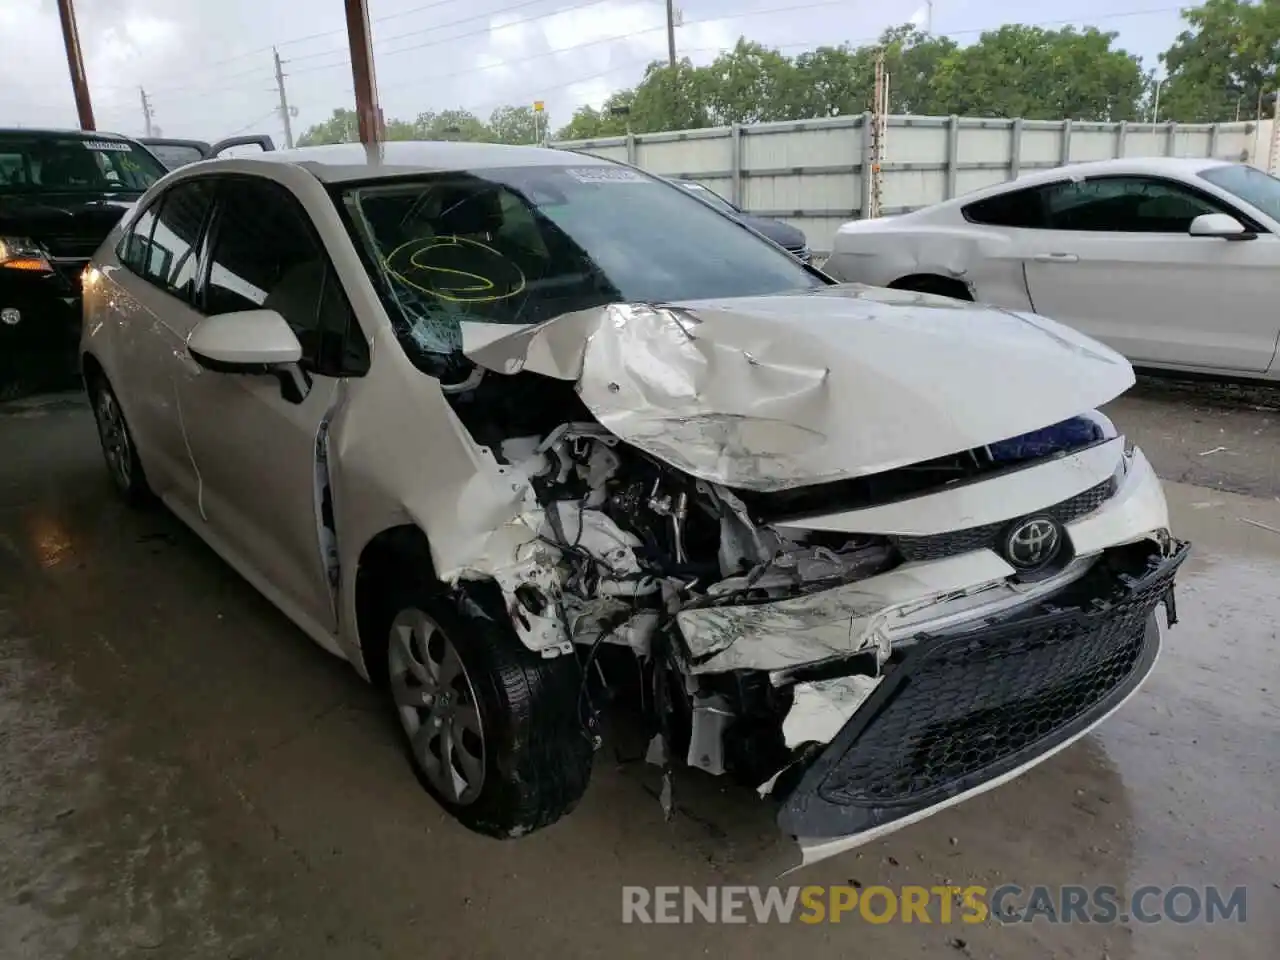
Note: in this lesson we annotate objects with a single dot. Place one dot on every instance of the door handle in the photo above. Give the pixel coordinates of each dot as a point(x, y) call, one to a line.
point(1056, 258)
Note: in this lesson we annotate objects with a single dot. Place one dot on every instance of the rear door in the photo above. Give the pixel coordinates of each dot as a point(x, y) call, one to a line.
point(153, 312)
point(1115, 260)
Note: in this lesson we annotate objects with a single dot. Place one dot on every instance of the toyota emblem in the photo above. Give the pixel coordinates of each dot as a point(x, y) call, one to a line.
point(1032, 542)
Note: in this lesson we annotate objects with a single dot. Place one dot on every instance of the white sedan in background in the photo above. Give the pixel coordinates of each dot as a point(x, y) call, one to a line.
point(1171, 262)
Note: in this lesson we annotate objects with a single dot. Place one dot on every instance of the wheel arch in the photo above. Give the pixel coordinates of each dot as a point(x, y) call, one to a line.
point(91, 368)
point(931, 282)
point(388, 558)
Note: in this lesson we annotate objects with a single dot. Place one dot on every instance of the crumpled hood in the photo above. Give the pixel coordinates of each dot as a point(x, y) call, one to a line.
point(767, 393)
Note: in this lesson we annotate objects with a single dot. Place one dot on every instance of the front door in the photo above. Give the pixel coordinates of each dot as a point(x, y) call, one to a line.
point(253, 437)
point(1118, 263)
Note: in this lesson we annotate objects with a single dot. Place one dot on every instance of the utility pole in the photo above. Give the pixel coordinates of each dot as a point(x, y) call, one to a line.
point(359, 39)
point(147, 113)
point(284, 101)
point(880, 103)
point(75, 63)
point(671, 34)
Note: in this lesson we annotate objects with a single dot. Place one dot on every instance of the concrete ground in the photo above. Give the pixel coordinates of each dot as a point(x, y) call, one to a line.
point(184, 775)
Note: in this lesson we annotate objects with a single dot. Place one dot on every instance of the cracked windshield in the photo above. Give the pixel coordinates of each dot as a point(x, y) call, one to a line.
point(523, 245)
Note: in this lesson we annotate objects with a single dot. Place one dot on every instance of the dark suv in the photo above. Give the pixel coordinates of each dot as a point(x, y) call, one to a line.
point(61, 192)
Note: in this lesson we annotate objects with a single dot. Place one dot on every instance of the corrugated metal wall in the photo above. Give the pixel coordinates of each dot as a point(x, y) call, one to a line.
point(815, 173)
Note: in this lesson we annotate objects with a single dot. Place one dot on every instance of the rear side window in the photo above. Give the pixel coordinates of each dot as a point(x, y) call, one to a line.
point(174, 252)
point(136, 242)
point(1022, 208)
point(162, 244)
point(266, 256)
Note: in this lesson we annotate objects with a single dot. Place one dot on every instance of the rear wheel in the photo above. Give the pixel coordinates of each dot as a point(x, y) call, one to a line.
point(491, 728)
point(118, 448)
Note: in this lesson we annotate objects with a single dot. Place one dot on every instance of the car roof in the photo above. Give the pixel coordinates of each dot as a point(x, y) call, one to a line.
point(51, 132)
point(1154, 166)
point(343, 162)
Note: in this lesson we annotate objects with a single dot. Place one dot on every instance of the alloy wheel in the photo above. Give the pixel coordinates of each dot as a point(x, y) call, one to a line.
point(116, 445)
point(437, 706)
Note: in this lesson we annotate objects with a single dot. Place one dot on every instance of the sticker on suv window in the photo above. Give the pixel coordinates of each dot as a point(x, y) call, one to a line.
point(112, 145)
point(606, 175)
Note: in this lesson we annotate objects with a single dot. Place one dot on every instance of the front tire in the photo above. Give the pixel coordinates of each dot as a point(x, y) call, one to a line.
point(491, 728)
point(118, 448)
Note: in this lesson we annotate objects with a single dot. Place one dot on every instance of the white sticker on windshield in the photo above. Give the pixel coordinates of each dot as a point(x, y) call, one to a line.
point(112, 145)
point(606, 175)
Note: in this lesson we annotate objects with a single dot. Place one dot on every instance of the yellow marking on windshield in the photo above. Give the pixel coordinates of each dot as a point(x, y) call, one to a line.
point(477, 293)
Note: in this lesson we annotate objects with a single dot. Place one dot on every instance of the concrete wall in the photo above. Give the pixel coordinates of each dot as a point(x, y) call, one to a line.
point(815, 173)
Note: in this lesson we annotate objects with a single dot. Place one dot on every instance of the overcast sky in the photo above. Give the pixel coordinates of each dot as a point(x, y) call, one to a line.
point(207, 65)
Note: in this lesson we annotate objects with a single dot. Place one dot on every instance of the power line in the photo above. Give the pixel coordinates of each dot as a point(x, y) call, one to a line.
point(253, 123)
point(810, 4)
point(808, 44)
point(661, 26)
point(204, 65)
point(221, 83)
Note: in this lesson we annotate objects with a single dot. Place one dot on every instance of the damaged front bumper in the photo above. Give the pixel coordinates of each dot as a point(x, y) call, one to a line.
point(965, 711)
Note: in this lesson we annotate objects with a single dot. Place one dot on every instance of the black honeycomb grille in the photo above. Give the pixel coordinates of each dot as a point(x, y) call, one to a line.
point(963, 709)
point(984, 537)
point(980, 701)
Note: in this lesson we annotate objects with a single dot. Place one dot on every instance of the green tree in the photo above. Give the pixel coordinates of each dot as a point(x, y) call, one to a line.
point(1021, 71)
point(342, 127)
point(609, 121)
point(516, 125)
point(748, 84)
point(912, 59)
point(837, 81)
point(401, 130)
point(670, 98)
point(452, 125)
point(1224, 65)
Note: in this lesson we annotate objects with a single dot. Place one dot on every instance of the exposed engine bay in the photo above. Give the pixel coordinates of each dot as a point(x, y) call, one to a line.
point(637, 545)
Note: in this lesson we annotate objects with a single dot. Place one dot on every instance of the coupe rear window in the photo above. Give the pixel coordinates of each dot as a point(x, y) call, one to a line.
point(34, 163)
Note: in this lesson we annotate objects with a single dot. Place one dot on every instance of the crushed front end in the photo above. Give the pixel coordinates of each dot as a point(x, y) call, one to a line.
point(824, 602)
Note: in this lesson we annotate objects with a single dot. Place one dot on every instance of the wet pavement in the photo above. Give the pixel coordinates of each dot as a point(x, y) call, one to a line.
point(184, 775)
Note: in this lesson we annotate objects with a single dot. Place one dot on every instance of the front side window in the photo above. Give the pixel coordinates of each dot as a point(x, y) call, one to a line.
point(35, 163)
point(523, 245)
point(265, 256)
point(1259, 190)
point(1123, 205)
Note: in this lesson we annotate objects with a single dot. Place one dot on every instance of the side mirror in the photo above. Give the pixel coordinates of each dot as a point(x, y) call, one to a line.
point(251, 342)
point(1220, 225)
point(247, 341)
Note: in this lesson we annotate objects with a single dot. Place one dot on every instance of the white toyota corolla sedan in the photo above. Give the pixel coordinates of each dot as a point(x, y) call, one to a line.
point(516, 431)
point(1172, 262)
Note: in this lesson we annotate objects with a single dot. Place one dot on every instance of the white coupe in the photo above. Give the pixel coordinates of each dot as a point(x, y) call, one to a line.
point(1171, 262)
